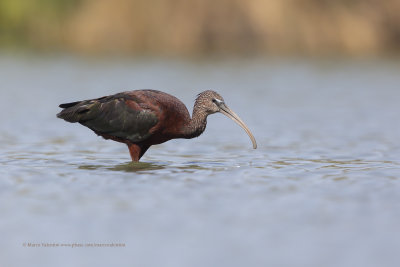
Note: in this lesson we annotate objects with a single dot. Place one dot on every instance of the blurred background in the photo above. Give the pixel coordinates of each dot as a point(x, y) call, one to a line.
point(179, 27)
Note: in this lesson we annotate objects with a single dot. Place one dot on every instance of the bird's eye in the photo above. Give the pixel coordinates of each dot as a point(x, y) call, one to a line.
point(217, 101)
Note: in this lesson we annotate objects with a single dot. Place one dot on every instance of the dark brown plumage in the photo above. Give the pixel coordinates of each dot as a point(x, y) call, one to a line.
point(143, 118)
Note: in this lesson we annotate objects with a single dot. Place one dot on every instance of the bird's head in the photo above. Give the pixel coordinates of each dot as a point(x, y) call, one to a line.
point(209, 101)
point(212, 102)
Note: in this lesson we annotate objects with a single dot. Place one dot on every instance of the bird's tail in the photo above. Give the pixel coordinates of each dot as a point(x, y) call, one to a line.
point(76, 111)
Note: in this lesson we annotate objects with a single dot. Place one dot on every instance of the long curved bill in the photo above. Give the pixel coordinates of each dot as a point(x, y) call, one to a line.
point(229, 113)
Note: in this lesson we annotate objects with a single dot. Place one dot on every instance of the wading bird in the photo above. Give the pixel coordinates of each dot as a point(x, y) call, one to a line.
point(143, 118)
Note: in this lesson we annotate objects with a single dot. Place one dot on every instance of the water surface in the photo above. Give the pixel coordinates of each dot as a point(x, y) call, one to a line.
point(322, 189)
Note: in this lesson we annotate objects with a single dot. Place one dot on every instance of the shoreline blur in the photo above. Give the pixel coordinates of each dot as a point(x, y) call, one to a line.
point(198, 27)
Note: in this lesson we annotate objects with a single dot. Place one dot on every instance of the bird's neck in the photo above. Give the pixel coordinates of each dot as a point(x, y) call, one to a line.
point(197, 123)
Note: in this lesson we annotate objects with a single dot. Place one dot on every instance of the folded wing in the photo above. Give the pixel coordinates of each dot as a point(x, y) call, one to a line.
point(121, 116)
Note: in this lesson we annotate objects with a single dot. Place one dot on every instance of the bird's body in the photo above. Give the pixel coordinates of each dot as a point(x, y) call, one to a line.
point(142, 118)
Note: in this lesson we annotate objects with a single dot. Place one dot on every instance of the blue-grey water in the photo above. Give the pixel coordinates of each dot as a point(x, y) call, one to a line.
point(322, 189)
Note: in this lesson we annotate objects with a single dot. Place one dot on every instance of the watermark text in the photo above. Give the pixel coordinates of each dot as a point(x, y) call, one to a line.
point(72, 245)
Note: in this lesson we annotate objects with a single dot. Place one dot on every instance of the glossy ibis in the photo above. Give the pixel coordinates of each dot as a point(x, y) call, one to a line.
point(143, 118)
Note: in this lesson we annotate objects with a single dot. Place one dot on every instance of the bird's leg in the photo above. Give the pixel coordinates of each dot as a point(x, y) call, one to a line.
point(137, 151)
point(134, 150)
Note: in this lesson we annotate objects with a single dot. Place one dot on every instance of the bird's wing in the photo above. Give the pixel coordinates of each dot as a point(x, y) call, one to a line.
point(123, 116)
